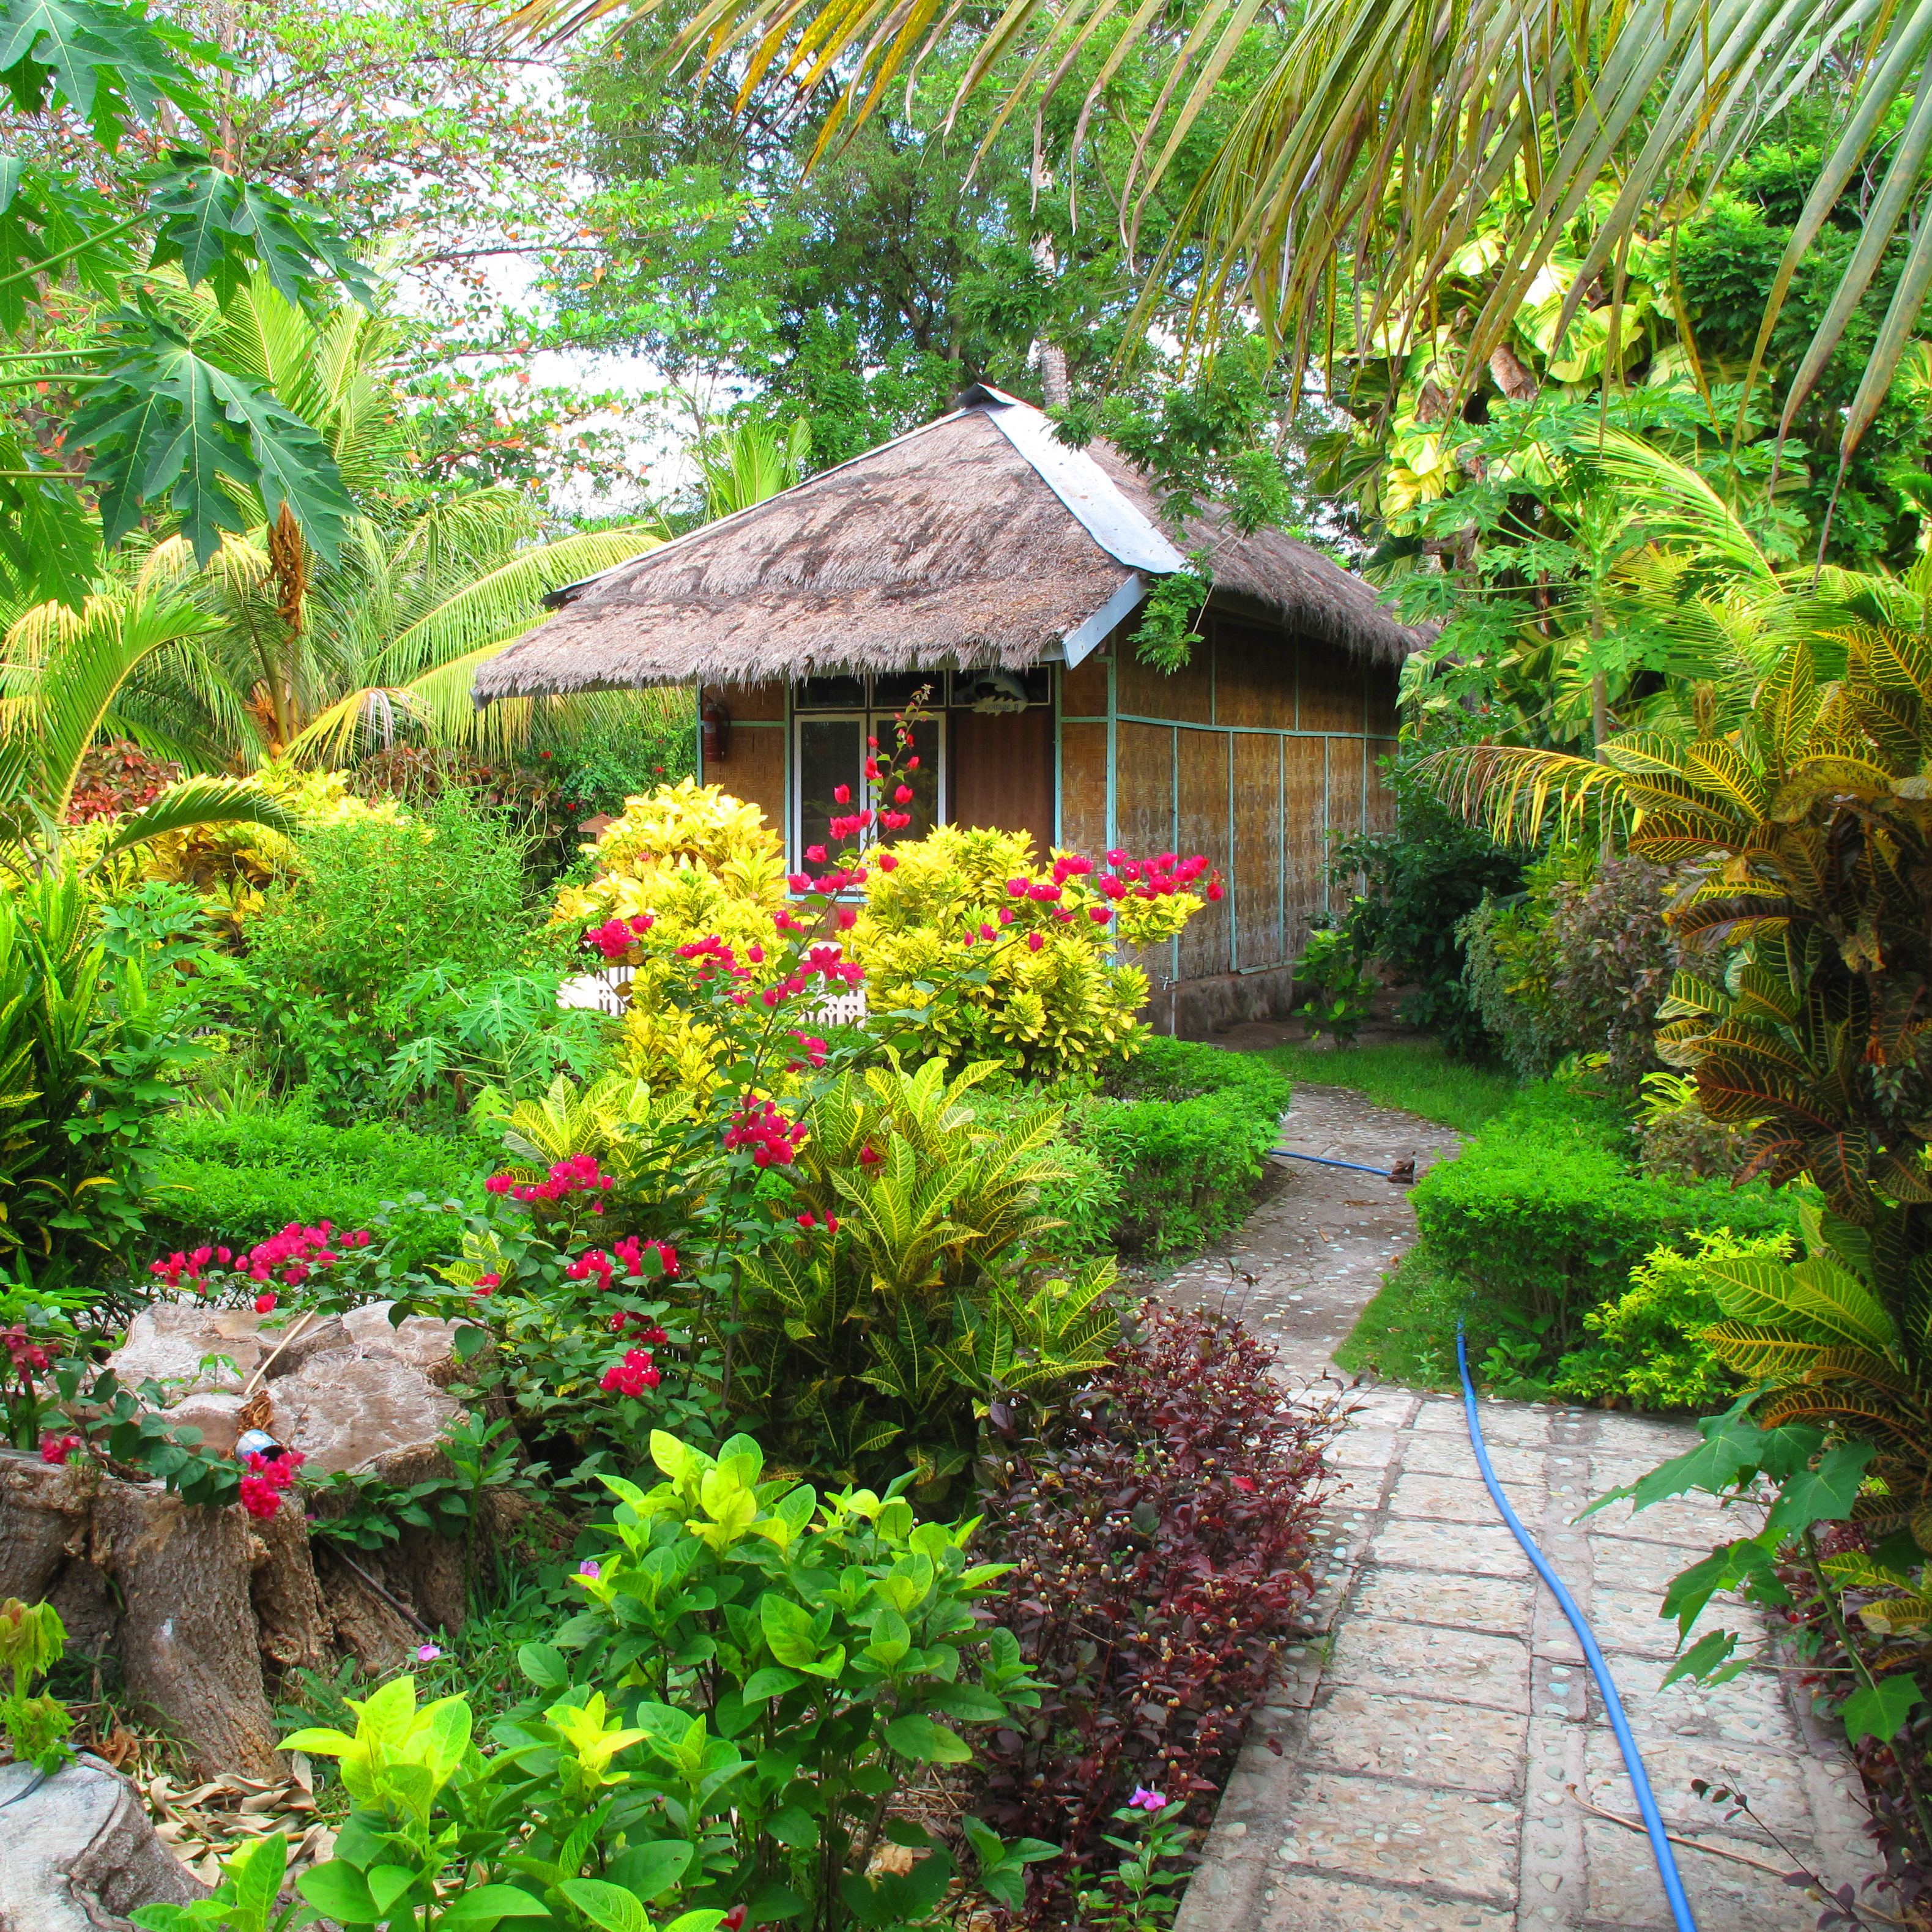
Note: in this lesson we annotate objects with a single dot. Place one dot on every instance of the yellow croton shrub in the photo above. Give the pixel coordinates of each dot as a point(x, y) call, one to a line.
point(1000, 955)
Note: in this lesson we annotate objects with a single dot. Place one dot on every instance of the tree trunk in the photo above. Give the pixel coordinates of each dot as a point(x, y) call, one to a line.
point(187, 1641)
point(205, 1608)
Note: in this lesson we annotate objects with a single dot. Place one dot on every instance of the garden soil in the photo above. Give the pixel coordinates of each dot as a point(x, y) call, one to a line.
point(1435, 1758)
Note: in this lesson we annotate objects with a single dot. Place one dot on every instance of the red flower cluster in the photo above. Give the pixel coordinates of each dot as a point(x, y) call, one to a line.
point(715, 955)
point(58, 1448)
point(178, 1266)
point(774, 1139)
point(648, 1333)
point(809, 1221)
point(1158, 878)
point(577, 1175)
point(630, 1252)
point(615, 937)
point(849, 827)
point(813, 1048)
point(829, 961)
point(290, 1257)
point(262, 1488)
point(837, 880)
point(23, 1353)
point(632, 1376)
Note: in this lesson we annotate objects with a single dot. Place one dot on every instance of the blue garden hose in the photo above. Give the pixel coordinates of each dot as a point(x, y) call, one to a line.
point(1646, 1803)
point(1322, 1160)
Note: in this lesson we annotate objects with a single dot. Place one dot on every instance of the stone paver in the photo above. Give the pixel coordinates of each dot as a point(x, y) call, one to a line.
point(1425, 1763)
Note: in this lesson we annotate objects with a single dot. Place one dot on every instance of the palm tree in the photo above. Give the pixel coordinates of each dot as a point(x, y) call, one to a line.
point(1387, 133)
point(752, 463)
point(64, 675)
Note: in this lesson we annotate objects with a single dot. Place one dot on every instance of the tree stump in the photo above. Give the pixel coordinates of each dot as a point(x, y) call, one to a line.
point(205, 1608)
point(77, 1852)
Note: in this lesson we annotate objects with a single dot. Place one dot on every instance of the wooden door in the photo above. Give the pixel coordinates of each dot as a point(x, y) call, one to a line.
point(1000, 769)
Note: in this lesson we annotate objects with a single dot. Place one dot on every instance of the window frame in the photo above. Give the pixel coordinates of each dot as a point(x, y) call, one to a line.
point(871, 723)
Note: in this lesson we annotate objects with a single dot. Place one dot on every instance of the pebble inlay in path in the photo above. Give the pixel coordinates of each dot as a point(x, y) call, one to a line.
point(1413, 1771)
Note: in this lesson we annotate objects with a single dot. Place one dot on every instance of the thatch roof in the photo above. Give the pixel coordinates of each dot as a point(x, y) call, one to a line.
point(970, 541)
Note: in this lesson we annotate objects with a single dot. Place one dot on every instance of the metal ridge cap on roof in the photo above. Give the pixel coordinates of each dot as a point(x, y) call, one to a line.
point(566, 593)
point(1089, 494)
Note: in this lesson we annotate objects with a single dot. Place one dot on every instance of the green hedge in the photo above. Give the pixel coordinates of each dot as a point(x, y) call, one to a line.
point(1543, 1211)
point(1183, 1129)
point(235, 1179)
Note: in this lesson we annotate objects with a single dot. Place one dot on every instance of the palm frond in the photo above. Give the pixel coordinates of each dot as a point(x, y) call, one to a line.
point(1385, 131)
point(487, 610)
point(200, 802)
point(1514, 789)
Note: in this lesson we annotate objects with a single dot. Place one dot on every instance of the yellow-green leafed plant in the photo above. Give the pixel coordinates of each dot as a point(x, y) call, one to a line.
point(955, 938)
point(688, 862)
point(32, 1641)
point(1817, 1332)
point(1038, 995)
point(914, 1294)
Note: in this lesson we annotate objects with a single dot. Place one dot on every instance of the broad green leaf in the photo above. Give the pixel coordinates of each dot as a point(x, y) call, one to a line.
point(1712, 1648)
point(1822, 1495)
point(337, 1889)
point(164, 421)
point(486, 1905)
point(608, 1907)
point(650, 1870)
point(1878, 1710)
point(769, 1682)
point(926, 1742)
point(544, 1665)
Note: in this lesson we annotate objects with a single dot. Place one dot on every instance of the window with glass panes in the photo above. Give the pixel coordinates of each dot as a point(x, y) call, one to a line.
point(833, 718)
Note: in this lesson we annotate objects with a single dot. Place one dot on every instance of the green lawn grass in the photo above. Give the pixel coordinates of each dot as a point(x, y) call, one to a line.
point(1407, 1333)
point(1415, 1075)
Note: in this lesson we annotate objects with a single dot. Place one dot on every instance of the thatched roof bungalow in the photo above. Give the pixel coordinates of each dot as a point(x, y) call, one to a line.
point(979, 556)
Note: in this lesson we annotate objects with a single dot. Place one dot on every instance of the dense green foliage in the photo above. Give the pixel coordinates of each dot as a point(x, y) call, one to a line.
point(235, 1178)
point(1183, 1129)
point(1415, 886)
point(1543, 1211)
point(378, 901)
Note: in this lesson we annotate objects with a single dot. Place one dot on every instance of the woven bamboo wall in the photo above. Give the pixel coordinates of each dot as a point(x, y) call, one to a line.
point(1259, 754)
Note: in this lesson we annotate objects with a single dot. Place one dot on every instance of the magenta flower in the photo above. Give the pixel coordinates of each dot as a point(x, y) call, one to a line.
point(1146, 1800)
point(428, 1653)
point(588, 1567)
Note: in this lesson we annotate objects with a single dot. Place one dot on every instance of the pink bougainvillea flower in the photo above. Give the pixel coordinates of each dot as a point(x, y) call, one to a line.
point(814, 855)
point(869, 1155)
point(887, 862)
point(632, 1376)
point(902, 795)
point(264, 1304)
point(58, 1448)
point(841, 794)
point(1035, 941)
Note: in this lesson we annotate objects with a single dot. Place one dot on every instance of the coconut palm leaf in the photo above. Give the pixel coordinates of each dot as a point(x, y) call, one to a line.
point(1386, 133)
point(200, 802)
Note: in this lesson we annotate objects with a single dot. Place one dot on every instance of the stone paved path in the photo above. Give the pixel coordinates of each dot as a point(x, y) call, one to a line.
point(1421, 1765)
